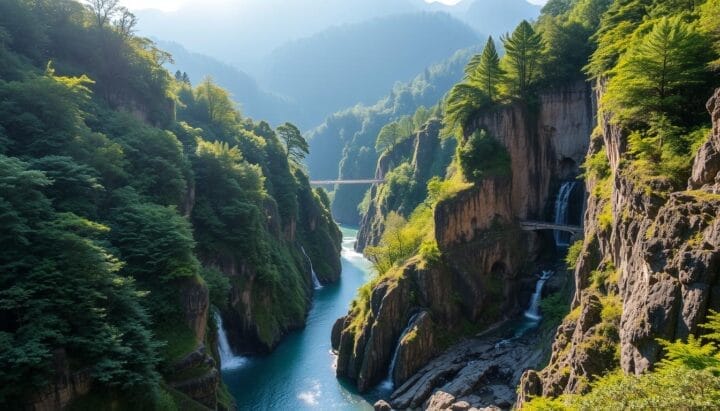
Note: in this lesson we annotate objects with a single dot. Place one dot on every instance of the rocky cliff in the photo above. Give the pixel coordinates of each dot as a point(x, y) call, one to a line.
point(482, 276)
point(260, 315)
point(648, 269)
point(427, 156)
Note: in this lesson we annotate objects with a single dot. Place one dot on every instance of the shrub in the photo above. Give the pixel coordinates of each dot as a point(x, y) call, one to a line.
point(482, 156)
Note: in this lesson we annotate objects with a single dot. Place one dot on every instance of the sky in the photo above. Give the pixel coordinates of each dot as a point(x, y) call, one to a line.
point(171, 5)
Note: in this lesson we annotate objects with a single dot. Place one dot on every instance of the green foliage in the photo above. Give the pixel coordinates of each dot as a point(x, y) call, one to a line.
point(660, 74)
point(484, 70)
point(464, 102)
point(296, 148)
point(481, 156)
point(65, 293)
point(673, 385)
point(523, 51)
point(154, 241)
point(710, 24)
point(573, 254)
point(218, 285)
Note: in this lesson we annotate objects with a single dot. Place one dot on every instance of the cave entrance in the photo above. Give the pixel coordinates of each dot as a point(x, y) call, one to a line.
point(569, 169)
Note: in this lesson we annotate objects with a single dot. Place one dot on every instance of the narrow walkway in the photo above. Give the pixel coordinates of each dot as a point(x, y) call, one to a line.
point(543, 225)
point(341, 182)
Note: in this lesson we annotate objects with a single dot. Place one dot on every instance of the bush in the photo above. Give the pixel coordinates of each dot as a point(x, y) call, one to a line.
point(482, 156)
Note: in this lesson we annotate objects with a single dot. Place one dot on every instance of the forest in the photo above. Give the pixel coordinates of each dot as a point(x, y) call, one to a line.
point(124, 192)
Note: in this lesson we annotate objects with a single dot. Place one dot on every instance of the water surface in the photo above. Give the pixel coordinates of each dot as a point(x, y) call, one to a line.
point(300, 373)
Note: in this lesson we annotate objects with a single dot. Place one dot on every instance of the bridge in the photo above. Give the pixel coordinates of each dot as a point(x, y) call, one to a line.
point(341, 182)
point(544, 225)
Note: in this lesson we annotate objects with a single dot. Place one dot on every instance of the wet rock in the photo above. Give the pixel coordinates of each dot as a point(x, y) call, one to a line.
point(382, 405)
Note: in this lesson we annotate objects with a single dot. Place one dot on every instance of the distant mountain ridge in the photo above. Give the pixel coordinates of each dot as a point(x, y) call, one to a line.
point(253, 100)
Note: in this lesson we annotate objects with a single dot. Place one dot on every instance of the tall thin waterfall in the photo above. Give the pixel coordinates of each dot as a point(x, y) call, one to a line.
point(316, 281)
point(561, 212)
point(533, 312)
point(228, 360)
point(389, 382)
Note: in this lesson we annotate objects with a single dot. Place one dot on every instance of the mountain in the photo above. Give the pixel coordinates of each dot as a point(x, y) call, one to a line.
point(238, 32)
point(357, 63)
point(254, 101)
point(505, 14)
point(344, 145)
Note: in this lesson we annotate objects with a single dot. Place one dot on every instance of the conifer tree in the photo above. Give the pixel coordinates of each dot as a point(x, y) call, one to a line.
point(486, 72)
point(523, 49)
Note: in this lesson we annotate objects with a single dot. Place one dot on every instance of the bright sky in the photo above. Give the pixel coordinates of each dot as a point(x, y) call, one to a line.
point(170, 5)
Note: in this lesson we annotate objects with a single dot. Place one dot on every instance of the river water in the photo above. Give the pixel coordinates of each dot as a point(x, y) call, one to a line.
point(300, 374)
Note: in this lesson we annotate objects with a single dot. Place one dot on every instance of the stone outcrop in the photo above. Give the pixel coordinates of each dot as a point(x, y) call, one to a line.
point(482, 276)
point(474, 374)
point(67, 387)
point(202, 388)
point(663, 244)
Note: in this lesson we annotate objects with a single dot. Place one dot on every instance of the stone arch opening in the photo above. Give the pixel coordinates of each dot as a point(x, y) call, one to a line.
point(568, 169)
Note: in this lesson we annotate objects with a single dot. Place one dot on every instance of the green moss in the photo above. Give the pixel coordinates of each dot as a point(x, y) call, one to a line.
point(179, 340)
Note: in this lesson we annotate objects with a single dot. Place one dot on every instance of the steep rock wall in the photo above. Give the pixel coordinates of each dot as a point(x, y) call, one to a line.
point(427, 156)
point(666, 254)
point(480, 278)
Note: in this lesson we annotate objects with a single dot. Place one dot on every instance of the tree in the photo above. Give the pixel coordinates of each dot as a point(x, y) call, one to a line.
point(485, 70)
point(663, 72)
point(126, 22)
point(296, 147)
point(216, 105)
point(523, 50)
point(104, 10)
point(710, 23)
point(482, 156)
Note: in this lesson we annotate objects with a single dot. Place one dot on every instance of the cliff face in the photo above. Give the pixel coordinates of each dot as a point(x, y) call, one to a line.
point(259, 315)
point(663, 252)
point(427, 157)
point(481, 277)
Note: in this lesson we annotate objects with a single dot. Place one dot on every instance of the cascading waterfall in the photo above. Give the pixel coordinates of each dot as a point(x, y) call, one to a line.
point(389, 382)
point(533, 312)
point(561, 212)
point(316, 281)
point(228, 360)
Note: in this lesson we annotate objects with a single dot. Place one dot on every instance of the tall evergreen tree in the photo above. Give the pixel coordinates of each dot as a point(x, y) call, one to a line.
point(661, 73)
point(523, 49)
point(487, 72)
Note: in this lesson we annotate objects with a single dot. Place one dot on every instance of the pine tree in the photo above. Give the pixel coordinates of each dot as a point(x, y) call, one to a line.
point(660, 74)
point(523, 51)
point(485, 70)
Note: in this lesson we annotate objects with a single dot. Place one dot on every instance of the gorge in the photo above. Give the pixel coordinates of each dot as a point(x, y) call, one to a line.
point(536, 215)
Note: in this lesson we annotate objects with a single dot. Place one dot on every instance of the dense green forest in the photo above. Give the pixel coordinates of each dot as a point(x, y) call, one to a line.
point(124, 192)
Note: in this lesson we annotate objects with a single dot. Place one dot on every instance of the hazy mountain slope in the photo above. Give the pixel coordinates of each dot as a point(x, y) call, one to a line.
point(348, 137)
point(254, 102)
point(239, 32)
point(505, 14)
point(357, 63)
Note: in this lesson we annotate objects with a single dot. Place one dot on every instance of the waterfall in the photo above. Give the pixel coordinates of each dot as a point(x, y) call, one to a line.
point(561, 212)
point(316, 282)
point(389, 382)
point(533, 312)
point(228, 360)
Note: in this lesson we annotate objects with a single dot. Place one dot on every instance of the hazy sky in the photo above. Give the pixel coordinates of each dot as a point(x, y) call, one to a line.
point(169, 5)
